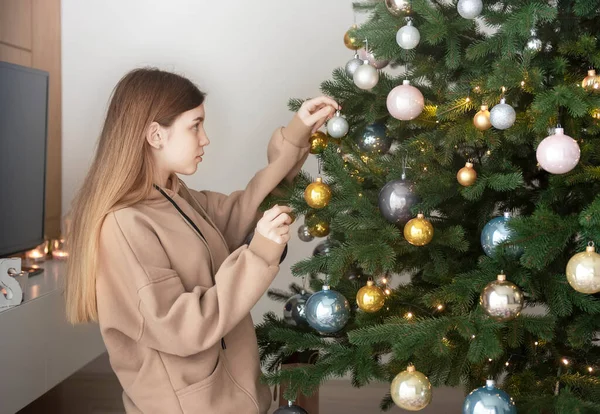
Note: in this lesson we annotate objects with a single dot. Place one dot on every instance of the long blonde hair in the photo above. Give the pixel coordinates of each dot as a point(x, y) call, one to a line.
point(121, 173)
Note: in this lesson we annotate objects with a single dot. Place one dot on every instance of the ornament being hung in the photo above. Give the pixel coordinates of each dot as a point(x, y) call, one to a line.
point(467, 175)
point(405, 102)
point(318, 194)
point(290, 409)
point(327, 311)
point(337, 126)
point(502, 116)
point(352, 65)
point(501, 300)
point(351, 40)
point(481, 120)
point(397, 7)
point(489, 399)
point(469, 9)
point(583, 271)
point(318, 142)
point(370, 298)
point(496, 232)
point(373, 61)
point(304, 234)
point(366, 76)
point(373, 139)
point(411, 390)
point(558, 153)
point(418, 231)
point(591, 83)
point(408, 36)
point(396, 199)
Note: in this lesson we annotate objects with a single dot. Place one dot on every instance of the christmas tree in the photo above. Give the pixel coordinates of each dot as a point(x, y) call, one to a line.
point(471, 170)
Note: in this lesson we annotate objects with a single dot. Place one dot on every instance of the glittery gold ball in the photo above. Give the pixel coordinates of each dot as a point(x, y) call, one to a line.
point(317, 227)
point(317, 194)
point(418, 231)
point(318, 142)
point(411, 390)
point(350, 40)
point(481, 120)
point(591, 83)
point(292, 216)
point(370, 298)
point(467, 175)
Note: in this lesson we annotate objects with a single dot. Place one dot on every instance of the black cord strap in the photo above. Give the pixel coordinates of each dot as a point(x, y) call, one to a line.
point(185, 216)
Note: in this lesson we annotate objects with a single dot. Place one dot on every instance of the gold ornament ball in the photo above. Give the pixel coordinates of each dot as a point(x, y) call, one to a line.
point(467, 175)
point(583, 271)
point(351, 40)
point(292, 216)
point(370, 298)
point(397, 7)
point(591, 82)
point(318, 142)
point(481, 120)
point(502, 300)
point(317, 194)
point(316, 226)
point(418, 231)
point(411, 390)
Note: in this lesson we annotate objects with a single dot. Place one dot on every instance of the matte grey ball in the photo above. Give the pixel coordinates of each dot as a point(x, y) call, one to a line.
point(396, 198)
point(337, 127)
point(502, 116)
point(352, 65)
point(469, 9)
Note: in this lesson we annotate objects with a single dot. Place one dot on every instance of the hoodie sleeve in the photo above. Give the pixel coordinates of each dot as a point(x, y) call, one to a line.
point(141, 295)
point(236, 214)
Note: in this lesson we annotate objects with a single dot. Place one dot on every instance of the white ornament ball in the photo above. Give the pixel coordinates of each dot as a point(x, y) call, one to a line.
point(558, 153)
point(405, 102)
point(502, 116)
point(337, 127)
point(469, 9)
point(352, 65)
point(366, 76)
point(408, 36)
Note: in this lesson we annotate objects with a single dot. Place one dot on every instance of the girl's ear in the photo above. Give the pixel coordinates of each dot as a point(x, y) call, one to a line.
point(153, 135)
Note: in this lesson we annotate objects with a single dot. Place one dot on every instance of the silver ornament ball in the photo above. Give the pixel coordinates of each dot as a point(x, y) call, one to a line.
point(304, 234)
point(290, 409)
point(408, 36)
point(294, 310)
point(502, 300)
point(352, 65)
point(396, 199)
point(366, 76)
point(337, 127)
point(469, 9)
point(502, 116)
point(533, 43)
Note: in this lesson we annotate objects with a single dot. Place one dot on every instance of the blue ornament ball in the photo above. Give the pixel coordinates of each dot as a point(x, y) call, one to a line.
point(495, 232)
point(373, 139)
point(327, 311)
point(489, 399)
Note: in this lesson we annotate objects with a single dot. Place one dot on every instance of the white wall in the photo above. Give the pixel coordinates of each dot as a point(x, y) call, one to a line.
point(250, 56)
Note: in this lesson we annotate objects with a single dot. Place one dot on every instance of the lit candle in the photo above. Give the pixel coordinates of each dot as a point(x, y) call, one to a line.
point(38, 254)
point(58, 251)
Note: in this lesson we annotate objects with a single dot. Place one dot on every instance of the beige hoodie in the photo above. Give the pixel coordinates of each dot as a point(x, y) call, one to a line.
point(174, 310)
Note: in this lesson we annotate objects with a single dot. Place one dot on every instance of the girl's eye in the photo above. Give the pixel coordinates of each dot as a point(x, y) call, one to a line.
point(196, 127)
